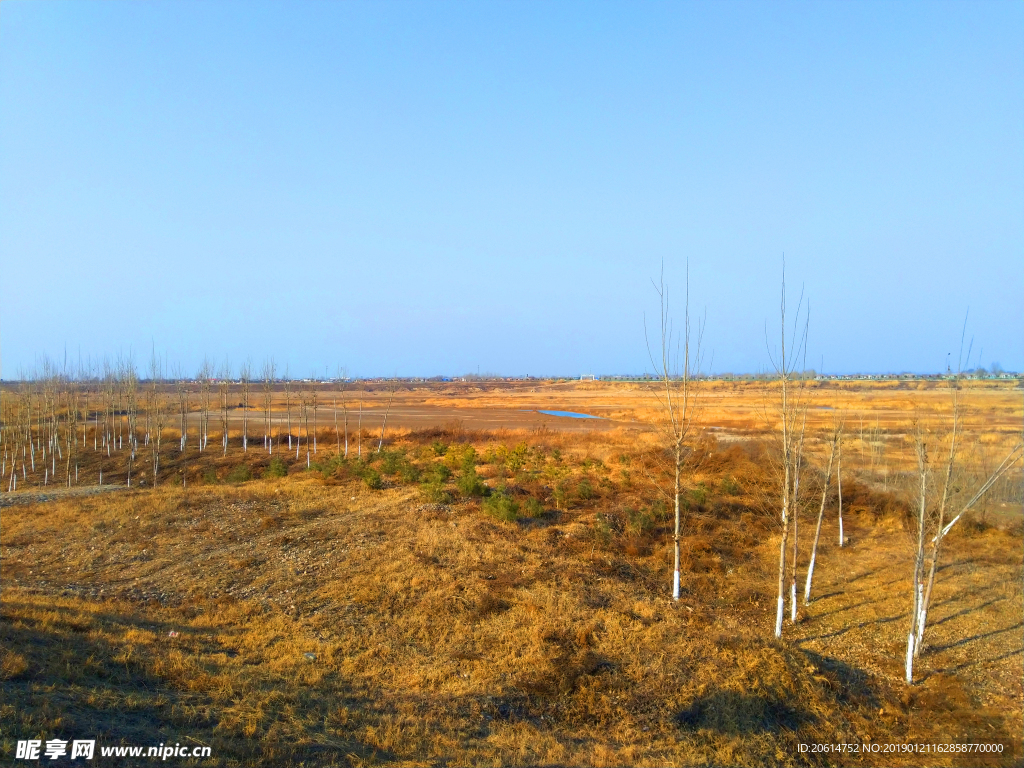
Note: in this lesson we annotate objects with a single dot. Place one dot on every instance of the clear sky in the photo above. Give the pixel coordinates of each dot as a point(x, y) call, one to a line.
point(421, 188)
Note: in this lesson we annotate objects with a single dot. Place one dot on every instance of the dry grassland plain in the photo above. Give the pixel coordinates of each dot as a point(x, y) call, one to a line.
point(493, 587)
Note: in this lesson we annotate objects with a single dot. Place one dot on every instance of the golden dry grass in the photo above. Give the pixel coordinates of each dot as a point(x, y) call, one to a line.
point(440, 635)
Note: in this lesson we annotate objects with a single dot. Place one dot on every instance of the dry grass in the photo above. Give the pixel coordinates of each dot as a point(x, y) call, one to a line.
point(443, 636)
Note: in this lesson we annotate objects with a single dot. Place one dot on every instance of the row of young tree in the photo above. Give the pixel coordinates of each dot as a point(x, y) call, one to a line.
point(49, 420)
point(940, 502)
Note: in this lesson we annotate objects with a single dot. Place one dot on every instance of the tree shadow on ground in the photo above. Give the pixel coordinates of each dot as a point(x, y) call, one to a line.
point(734, 712)
point(974, 638)
point(78, 677)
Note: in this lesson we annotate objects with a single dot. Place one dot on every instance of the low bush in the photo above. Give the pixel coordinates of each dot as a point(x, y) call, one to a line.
point(501, 506)
point(602, 529)
point(276, 468)
point(561, 495)
point(435, 493)
point(470, 484)
point(699, 495)
point(240, 474)
point(373, 479)
point(533, 508)
point(730, 487)
point(639, 521)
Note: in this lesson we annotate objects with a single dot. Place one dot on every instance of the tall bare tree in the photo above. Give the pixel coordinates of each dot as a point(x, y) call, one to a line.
point(790, 413)
point(677, 367)
point(931, 522)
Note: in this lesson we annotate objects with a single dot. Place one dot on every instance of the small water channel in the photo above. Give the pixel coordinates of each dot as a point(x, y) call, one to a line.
point(570, 414)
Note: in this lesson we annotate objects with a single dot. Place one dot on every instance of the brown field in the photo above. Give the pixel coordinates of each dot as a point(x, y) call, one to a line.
point(383, 611)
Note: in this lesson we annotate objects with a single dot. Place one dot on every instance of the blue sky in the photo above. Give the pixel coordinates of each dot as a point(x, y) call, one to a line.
point(437, 187)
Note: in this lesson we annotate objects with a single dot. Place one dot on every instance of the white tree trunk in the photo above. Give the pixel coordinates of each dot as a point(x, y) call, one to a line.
point(839, 488)
point(910, 659)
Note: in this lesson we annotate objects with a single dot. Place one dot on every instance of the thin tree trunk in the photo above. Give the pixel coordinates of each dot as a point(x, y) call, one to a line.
point(383, 424)
point(795, 513)
point(817, 530)
point(678, 522)
point(922, 460)
point(839, 489)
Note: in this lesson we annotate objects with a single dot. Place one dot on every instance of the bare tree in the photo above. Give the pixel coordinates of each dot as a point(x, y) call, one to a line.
point(839, 488)
point(312, 396)
point(837, 430)
point(224, 386)
point(305, 421)
point(288, 406)
point(790, 412)
point(795, 507)
point(156, 414)
point(268, 396)
point(344, 405)
point(181, 387)
point(391, 397)
point(204, 377)
point(936, 521)
point(677, 394)
point(246, 376)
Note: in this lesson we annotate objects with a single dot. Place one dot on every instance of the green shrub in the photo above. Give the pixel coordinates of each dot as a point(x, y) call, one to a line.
point(276, 468)
point(240, 474)
point(409, 472)
point(470, 484)
point(602, 529)
point(435, 493)
point(585, 490)
point(441, 473)
point(440, 449)
point(501, 506)
point(658, 509)
point(372, 479)
point(730, 487)
point(640, 521)
point(469, 458)
point(515, 459)
point(561, 494)
point(699, 495)
point(391, 462)
point(533, 508)
point(210, 476)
